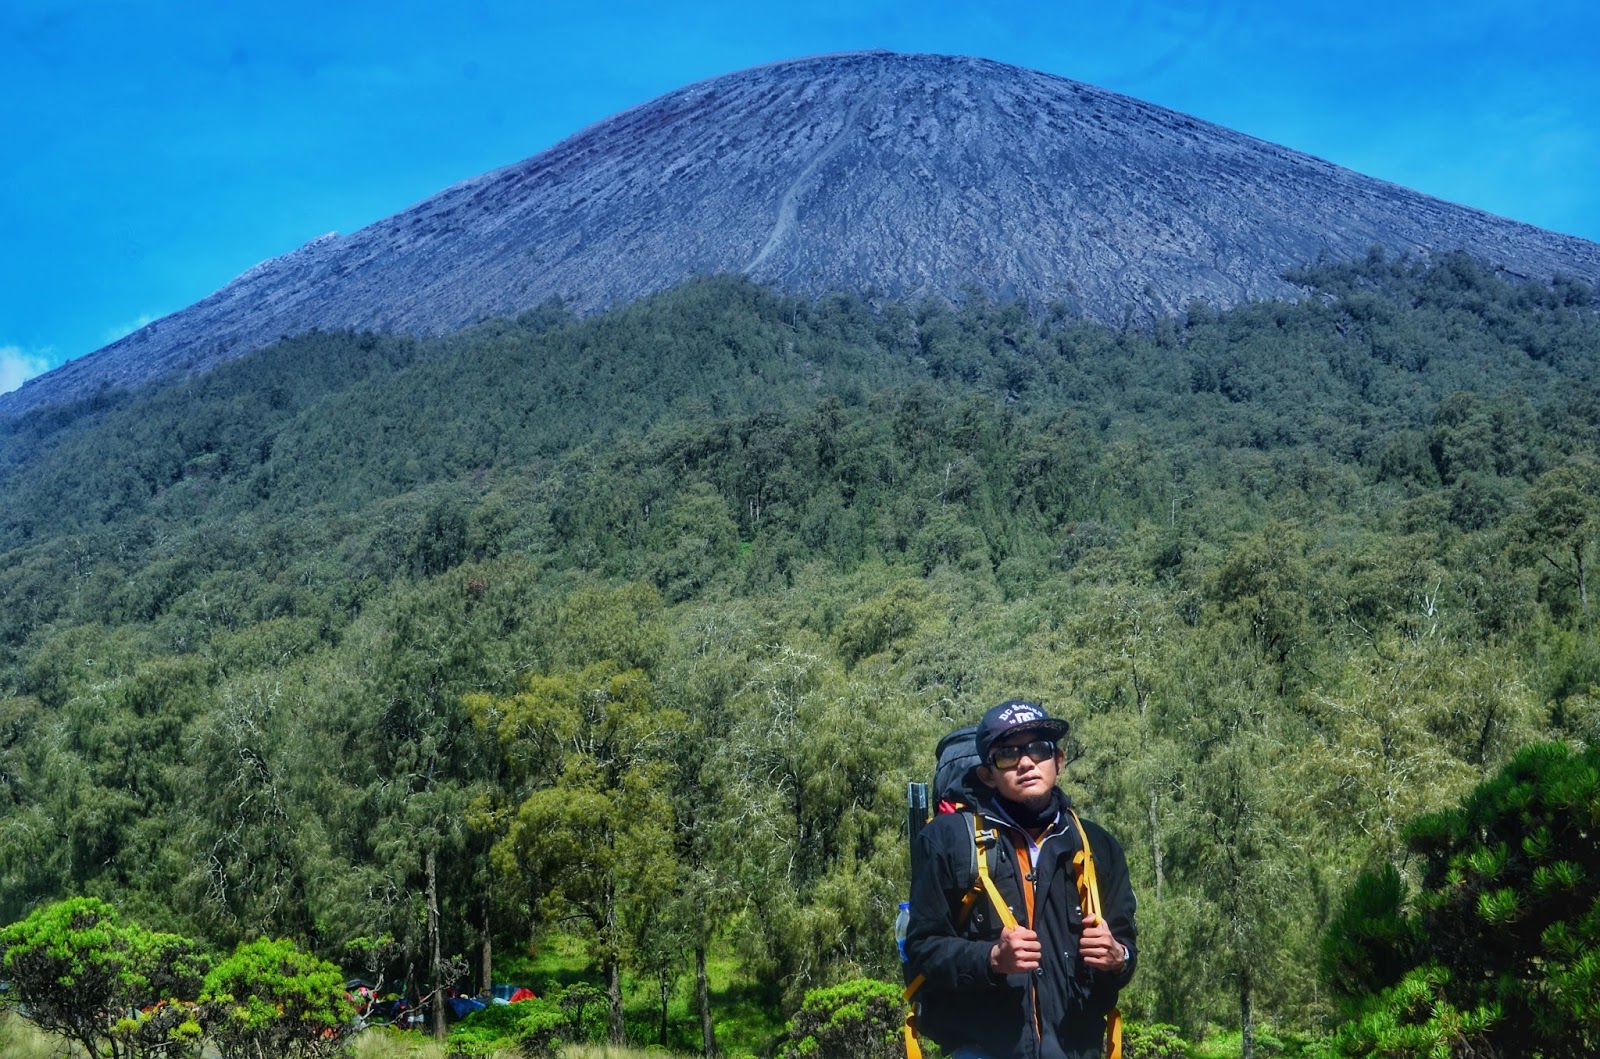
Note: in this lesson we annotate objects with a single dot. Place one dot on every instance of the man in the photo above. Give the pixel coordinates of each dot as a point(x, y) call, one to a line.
point(1043, 988)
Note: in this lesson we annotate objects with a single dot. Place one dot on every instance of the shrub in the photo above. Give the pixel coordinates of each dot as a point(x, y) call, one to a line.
point(111, 987)
point(1152, 1040)
point(269, 998)
point(484, 1032)
point(1509, 902)
point(493, 1029)
point(859, 1019)
point(542, 1031)
point(535, 1028)
point(169, 1029)
point(1413, 1018)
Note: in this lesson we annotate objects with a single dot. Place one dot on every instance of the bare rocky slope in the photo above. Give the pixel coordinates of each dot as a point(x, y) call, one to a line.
point(908, 175)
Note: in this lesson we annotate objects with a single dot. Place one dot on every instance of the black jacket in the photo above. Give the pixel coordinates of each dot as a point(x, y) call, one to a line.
point(961, 1003)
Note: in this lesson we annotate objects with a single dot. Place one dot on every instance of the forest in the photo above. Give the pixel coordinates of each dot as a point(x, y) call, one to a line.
point(628, 632)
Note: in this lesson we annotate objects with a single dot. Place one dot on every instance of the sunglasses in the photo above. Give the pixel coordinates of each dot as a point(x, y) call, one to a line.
point(1006, 757)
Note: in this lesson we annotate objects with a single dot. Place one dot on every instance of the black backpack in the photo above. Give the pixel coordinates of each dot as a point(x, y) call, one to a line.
point(957, 756)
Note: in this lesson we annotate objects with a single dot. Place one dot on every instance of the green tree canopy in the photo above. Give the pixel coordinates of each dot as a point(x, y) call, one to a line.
point(83, 973)
point(1498, 946)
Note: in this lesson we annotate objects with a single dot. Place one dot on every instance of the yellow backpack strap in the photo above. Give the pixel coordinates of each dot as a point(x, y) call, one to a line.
point(909, 1030)
point(981, 885)
point(1083, 871)
point(1089, 899)
point(1113, 1035)
point(982, 839)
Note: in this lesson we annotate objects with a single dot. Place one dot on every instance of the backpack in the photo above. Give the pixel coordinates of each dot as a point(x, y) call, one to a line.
point(956, 756)
point(954, 792)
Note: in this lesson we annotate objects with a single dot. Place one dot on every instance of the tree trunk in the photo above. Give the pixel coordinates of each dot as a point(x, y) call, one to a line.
point(614, 993)
point(1583, 582)
point(1155, 842)
point(488, 963)
point(1247, 1029)
point(661, 1035)
point(613, 961)
point(702, 999)
point(436, 1003)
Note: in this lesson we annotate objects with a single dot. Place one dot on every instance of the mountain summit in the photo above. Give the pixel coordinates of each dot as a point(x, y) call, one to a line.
point(906, 175)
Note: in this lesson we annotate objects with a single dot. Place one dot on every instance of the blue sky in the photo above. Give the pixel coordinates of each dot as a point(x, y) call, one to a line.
point(155, 149)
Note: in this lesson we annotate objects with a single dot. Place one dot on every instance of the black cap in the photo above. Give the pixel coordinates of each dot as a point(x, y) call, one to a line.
point(1013, 716)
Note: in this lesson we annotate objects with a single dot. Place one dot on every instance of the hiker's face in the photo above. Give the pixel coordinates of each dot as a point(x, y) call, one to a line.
point(1030, 781)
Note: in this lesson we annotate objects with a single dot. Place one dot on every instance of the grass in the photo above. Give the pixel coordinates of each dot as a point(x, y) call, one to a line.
point(396, 1044)
point(1229, 1044)
point(21, 1039)
point(747, 1019)
point(559, 959)
point(381, 1042)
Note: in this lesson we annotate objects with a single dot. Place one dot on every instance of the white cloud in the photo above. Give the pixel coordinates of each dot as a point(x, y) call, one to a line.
point(18, 366)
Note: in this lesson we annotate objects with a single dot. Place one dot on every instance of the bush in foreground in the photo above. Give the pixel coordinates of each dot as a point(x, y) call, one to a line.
point(859, 1019)
point(271, 999)
point(113, 988)
point(1152, 1040)
point(1498, 953)
point(537, 1029)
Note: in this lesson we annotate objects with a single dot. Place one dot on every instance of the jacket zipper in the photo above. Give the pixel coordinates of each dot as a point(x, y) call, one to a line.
point(1026, 882)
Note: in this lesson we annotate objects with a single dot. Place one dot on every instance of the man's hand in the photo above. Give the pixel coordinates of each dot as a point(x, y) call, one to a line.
point(1098, 948)
point(1017, 951)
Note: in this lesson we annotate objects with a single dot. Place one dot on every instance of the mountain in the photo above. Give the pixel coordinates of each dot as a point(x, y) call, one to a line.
point(905, 175)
